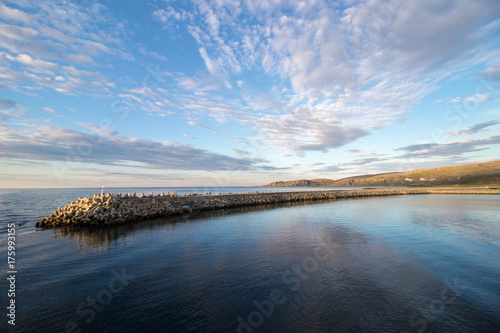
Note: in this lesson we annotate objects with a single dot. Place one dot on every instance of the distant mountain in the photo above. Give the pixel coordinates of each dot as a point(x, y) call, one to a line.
point(303, 182)
point(480, 174)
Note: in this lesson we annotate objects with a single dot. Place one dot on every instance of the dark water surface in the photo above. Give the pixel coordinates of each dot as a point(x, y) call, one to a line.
point(391, 264)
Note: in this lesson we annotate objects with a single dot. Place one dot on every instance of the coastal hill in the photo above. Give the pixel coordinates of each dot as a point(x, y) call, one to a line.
point(304, 182)
point(478, 174)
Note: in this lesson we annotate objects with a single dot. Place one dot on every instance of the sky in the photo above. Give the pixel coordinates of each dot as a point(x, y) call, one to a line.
point(228, 93)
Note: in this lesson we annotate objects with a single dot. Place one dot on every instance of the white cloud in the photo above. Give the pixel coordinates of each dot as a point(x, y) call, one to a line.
point(50, 110)
point(200, 126)
point(203, 82)
point(35, 65)
point(48, 43)
point(12, 14)
point(149, 53)
point(211, 65)
point(492, 73)
point(220, 111)
point(479, 98)
point(364, 65)
point(169, 16)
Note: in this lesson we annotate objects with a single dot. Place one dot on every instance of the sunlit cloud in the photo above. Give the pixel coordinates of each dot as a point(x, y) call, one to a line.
point(476, 128)
point(106, 147)
point(449, 149)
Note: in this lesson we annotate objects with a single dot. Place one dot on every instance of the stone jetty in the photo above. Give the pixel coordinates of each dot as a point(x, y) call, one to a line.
point(116, 209)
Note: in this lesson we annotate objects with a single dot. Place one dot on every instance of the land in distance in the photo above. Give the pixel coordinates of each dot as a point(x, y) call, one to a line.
point(477, 174)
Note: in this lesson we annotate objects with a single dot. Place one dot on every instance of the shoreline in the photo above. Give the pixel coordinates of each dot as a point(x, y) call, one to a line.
point(117, 209)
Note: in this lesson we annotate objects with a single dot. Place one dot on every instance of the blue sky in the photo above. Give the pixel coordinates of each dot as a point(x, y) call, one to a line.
point(218, 93)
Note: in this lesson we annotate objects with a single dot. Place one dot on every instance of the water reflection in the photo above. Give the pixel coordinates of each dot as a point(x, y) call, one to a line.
point(467, 216)
point(104, 239)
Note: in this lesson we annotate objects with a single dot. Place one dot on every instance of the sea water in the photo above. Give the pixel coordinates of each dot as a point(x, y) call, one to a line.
point(422, 263)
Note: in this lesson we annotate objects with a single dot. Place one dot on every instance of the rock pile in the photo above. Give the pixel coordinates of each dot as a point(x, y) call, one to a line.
point(108, 210)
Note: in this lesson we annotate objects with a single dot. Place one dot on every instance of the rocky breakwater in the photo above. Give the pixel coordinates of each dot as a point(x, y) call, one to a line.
point(117, 209)
point(108, 210)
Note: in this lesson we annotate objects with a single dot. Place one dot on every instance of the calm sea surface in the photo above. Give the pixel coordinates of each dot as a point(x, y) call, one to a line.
point(391, 264)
